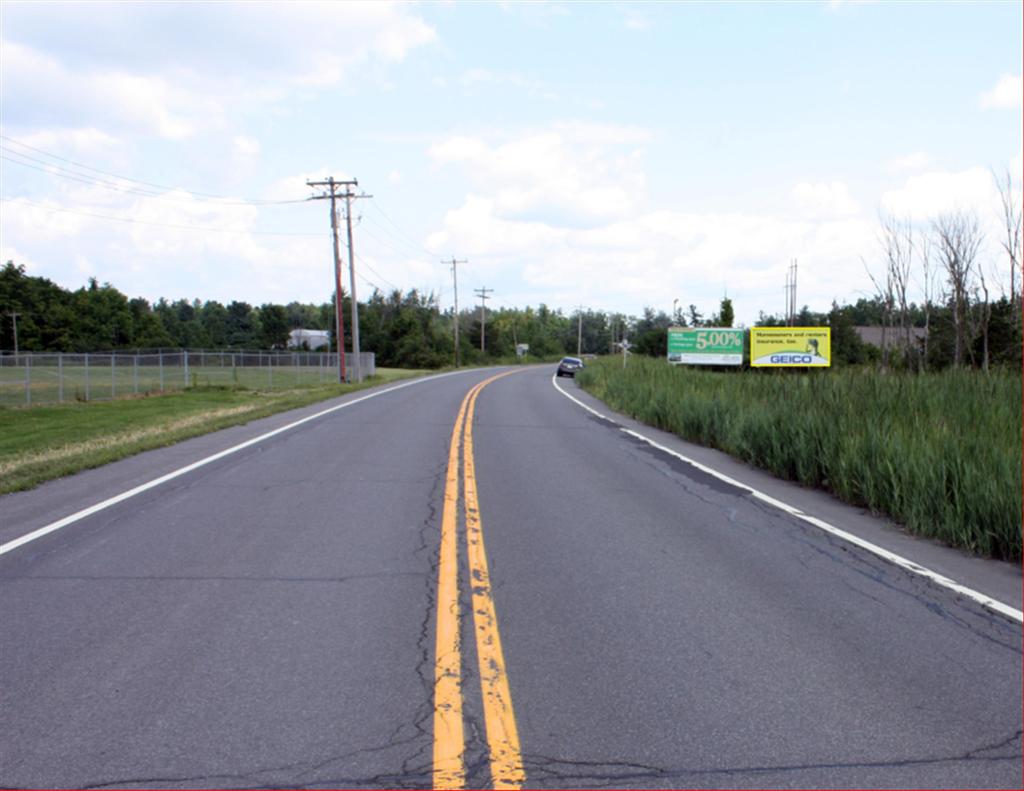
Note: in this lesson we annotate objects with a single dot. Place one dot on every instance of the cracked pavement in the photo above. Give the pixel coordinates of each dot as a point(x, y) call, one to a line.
point(268, 621)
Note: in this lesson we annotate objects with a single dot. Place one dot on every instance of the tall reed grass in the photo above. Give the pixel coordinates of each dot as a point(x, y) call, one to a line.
point(939, 453)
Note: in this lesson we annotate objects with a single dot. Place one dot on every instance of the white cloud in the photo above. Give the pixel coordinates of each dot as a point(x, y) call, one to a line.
point(927, 194)
point(87, 140)
point(133, 250)
point(574, 170)
point(475, 77)
point(916, 161)
point(122, 100)
point(522, 220)
point(246, 146)
point(653, 257)
point(39, 221)
point(1005, 94)
point(637, 22)
point(824, 200)
point(9, 253)
point(115, 79)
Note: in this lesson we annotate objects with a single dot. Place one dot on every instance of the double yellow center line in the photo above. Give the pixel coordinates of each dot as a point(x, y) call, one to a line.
point(499, 719)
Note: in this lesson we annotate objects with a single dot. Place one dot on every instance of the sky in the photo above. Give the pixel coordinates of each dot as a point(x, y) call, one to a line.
point(610, 156)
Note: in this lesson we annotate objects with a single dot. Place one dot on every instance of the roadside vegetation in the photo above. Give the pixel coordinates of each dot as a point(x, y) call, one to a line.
point(939, 453)
point(40, 443)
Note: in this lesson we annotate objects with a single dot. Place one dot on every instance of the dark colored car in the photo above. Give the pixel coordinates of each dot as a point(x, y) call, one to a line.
point(569, 366)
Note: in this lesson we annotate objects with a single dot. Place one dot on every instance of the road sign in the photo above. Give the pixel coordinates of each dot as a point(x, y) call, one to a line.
point(705, 345)
point(790, 347)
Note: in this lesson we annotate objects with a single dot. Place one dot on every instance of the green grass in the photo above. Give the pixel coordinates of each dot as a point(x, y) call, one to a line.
point(45, 442)
point(939, 453)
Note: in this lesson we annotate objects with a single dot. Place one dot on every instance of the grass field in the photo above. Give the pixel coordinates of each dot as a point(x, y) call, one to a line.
point(45, 442)
point(940, 453)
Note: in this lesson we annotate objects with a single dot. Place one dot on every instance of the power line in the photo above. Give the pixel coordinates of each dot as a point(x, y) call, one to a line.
point(56, 170)
point(219, 198)
point(398, 228)
point(24, 201)
point(378, 274)
point(388, 244)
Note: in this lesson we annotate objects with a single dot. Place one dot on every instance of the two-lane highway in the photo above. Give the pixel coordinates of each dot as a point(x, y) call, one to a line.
point(475, 581)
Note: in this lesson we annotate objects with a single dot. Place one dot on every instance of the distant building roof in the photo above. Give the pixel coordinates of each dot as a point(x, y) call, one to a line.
point(873, 335)
point(314, 339)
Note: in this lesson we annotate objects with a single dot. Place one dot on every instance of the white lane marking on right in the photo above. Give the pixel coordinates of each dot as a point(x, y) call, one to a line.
point(79, 515)
point(898, 560)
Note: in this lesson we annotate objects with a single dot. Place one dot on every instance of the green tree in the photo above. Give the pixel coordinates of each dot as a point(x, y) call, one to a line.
point(726, 315)
point(243, 330)
point(102, 318)
point(273, 320)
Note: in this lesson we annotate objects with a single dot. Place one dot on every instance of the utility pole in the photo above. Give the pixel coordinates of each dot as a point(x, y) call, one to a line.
point(14, 321)
point(791, 293)
point(356, 350)
point(339, 324)
point(579, 331)
point(455, 285)
point(482, 293)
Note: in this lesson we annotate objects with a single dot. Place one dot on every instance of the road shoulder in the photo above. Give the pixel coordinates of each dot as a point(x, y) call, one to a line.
point(1000, 580)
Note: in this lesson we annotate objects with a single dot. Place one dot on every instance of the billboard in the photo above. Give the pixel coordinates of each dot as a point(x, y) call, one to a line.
point(705, 345)
point(790, 347)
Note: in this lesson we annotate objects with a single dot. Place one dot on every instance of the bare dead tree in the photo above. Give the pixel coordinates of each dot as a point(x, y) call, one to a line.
point(982, 317)
point(929, 290)
point(897, 238)
point(886, 297)
point(1012, 243)
point(957, 241)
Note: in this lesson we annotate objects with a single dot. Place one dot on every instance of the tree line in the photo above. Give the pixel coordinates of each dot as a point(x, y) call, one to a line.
point(958, 324)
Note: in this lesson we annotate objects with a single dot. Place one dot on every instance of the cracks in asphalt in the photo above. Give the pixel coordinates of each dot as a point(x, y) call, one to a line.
point(543, 771)
point(685, 469)
point(429, 540)
point(974, 618)
point(410, 743)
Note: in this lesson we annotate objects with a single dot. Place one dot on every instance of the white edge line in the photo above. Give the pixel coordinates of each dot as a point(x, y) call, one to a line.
point(79, 515)
point(885, 554)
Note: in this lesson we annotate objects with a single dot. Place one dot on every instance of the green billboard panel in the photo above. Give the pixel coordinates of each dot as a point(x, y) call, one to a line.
point(705, 345)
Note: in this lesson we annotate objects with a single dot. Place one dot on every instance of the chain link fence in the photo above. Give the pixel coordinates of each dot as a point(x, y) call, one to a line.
point(29, 378)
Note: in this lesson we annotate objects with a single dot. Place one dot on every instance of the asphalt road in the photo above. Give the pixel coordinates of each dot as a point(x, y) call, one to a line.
point(270, 619)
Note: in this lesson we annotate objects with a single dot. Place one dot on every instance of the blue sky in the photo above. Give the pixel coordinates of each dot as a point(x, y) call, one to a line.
point(612, 155)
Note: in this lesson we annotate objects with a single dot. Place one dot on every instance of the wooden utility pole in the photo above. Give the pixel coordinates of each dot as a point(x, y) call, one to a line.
point(14, 321)
point(579, 331)
point(339, 325)
point(482, 293)
point(455, 285)
point(356, 349)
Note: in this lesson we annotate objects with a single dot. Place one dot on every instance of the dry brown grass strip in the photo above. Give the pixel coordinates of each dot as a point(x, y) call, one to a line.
point(63, 452)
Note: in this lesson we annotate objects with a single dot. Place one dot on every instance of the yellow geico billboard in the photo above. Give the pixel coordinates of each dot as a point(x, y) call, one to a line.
point(791, 347)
